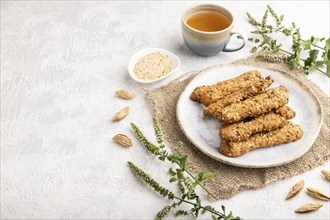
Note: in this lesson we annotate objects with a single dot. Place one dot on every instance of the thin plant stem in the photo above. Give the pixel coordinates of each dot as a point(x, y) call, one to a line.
point(280, 30)
point(202, 207)
point(201, 185)
point(287, 52)
point(314, 45)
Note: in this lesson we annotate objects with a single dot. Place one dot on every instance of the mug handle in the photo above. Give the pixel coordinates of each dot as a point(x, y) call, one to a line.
point(235, 49)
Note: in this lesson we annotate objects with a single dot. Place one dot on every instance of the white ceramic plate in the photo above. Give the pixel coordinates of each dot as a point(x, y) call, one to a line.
point(203, 132)
point(141, 53)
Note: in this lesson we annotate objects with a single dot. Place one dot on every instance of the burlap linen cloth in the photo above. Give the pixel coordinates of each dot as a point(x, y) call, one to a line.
point(230, 180)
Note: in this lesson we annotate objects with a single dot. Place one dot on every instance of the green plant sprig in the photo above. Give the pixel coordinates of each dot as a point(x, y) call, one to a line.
point(195, 211)
point(186, 184)
point(163, 154)
point(265, 41)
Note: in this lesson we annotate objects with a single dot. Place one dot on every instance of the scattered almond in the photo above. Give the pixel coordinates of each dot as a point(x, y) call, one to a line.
point(326, 174)
point(124, 94)
point(317, 194)
point(121, 114)
point(123, 140)
point(296, 189)
point(309, 207)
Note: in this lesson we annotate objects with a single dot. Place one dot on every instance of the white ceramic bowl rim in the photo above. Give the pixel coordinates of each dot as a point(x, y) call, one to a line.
point(136, 56)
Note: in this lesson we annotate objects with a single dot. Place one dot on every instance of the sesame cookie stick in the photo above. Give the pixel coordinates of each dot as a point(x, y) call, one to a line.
point(241, 131)
point(265, 102)
point(215, 108)
point(288, 133)
point(228, 86)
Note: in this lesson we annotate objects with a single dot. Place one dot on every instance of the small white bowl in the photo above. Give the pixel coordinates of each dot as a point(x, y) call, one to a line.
point(175, 61)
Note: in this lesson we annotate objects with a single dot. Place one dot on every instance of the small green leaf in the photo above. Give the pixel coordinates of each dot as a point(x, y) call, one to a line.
point(230, 217)
point(298, 34)
point(252, 20)
point(306, 45)
point(315, 40)
point(314, 66)
point(223, 209)
point(239, 37)
point(286, 31)
point(181, 186)
point(327, 44)
point(191, 194)
point(181, 212)
point(293, 25)
point(183, 162)
point(162, 213)
point(310, 69)
point(207, 208)
point(158, 133)
point(173, 179)
point(319, 63)
point(264, 19)
point(254, 49)
point(172, 172)
point(313, 54)
point(203, 176)
point(199, 203)
point(326, 55)
point(193, 186)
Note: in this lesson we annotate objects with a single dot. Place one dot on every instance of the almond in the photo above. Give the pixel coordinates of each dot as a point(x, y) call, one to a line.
point(121, 114)
point(326, 174)
point(317, 194)
point(124, 94)
point(296, 189)
point(309, 207)
point(123, 140)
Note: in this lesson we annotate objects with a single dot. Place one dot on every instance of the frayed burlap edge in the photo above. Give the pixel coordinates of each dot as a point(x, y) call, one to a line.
point(230, 180)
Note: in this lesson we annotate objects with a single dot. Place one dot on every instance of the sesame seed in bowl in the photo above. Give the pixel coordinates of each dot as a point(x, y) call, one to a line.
point(152, 64)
